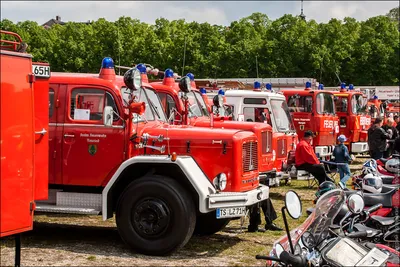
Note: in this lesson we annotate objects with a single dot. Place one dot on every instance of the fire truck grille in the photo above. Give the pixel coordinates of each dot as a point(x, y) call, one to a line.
point(250, 156)
point(281, 148)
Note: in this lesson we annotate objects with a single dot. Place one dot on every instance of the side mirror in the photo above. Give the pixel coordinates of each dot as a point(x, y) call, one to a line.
point(185, 84)
point(108, 116)
point(293, 204)
point(218, 101)
point(133, 79)
point(355, 203)
point(137, 108)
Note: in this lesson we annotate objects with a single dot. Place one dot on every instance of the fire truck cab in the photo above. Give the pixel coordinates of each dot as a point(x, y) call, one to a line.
point(314, 110)
point(193, 110)
point(269, 108)
point(376, 108)
point(351, 108)
point(112, 151)
point(24, 138)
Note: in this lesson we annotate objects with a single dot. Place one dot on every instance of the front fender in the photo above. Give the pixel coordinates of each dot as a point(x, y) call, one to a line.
point(188, 166)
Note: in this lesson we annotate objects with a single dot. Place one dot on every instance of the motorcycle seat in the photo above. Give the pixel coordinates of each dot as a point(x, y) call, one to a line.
point(384, 198)
point(385, 221)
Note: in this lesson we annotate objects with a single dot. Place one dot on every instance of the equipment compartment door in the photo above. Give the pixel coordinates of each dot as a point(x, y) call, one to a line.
point(91, 151)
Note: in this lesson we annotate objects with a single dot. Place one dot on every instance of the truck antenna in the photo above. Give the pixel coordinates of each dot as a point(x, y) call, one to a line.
point(257, 66)
point(184, 56)
point(338, 77)
point(119, 51)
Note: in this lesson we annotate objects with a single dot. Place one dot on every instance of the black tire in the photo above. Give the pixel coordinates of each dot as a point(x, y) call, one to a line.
point(155, 215)
point(208, 224)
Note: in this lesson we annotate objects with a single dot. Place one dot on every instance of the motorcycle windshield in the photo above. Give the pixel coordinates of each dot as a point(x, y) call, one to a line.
point(327, 207)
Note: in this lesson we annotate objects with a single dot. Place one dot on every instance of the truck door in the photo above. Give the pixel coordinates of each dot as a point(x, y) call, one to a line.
point(90, 151)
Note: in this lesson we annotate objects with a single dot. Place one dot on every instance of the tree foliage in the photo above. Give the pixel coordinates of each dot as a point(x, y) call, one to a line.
point(362, 53)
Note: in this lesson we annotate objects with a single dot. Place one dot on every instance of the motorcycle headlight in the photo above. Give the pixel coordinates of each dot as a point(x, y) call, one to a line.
point(220, 181)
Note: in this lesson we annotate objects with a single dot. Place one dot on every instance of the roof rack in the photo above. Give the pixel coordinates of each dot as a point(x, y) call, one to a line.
point(16, 45)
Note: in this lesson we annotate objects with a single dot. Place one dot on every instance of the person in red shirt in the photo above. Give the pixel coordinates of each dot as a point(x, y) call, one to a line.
point(307, 160)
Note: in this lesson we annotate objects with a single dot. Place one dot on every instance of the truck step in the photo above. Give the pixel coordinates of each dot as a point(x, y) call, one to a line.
point(79, 200)
point(66, 209)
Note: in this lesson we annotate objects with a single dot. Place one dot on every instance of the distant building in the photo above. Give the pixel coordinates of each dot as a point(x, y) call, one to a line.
point(51, 22)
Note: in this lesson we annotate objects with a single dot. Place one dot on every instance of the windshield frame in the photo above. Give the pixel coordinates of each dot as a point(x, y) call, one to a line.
point(333, 104)
point(289, 117)
point(357, 112)
point(202, 103)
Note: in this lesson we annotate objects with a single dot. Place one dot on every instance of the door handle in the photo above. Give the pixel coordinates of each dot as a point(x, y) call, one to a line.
point(69, 135)
point(42, 132)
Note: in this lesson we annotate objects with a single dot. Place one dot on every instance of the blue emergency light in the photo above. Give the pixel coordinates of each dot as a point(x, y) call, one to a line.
point(308, 84)
point(343, 86)
point(321, 86)
point(168, 73)
point(107, 63)
point(351, 86)
point(257, 85)
point(269, 86)
point(203, 91)
point(375, 97)
point(142, 68)
point(191, 76)
point(221, 92)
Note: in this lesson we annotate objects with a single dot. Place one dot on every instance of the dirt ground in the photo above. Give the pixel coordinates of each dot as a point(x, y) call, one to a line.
point(65, 240)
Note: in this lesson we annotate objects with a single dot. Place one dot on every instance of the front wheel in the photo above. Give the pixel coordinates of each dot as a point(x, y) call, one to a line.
point(155, 215)
point(208, 224)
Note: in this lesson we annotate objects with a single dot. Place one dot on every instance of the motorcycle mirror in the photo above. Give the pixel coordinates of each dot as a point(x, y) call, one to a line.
point(293, 204)
point(355, 203)
point(278, 250)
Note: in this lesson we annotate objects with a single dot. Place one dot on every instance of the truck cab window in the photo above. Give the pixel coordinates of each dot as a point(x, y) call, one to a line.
point(300, 104)
point(167, 103)
point(257, 115)
point(88, 104)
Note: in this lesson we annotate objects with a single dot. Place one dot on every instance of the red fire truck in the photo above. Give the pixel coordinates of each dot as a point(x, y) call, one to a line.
point(193, 110)
point(112, 151)
point(376, 108)
point(259, 106)
point(351, 108)
point(314, 110)
point(24, 140)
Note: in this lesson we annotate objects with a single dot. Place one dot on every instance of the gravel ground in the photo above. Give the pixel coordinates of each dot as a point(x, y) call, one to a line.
point(65, 240)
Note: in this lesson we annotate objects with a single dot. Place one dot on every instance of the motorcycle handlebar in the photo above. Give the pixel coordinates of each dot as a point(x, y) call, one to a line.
point(360, 234)
point(295, 260)
point(261, 257)
point(375, 208)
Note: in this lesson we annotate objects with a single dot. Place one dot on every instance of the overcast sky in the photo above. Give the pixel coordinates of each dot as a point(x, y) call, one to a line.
point(222, 12)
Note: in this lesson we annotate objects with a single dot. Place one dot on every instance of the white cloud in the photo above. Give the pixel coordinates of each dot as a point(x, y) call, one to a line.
point(323, 11)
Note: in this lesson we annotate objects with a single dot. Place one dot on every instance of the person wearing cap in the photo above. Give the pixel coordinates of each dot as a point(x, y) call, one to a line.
point(308, 161)
point(377, 139)
point(341, 154)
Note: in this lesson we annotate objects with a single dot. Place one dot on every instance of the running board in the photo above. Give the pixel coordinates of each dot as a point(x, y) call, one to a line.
point(66, 209)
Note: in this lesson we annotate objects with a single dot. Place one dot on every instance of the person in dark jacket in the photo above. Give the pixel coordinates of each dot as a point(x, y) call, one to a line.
point(392, 132)
point(269, 215)
point(377, 139)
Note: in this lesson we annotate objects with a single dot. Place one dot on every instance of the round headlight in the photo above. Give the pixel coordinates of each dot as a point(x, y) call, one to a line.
point(220, 181)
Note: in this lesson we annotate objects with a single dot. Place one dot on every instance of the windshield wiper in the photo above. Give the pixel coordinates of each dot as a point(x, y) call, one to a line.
point(154, 108)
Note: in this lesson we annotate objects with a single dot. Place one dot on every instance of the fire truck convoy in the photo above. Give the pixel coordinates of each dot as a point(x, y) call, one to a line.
point(191, 108)
point(24, 139)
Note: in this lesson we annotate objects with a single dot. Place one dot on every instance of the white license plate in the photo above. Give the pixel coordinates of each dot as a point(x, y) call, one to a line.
point(231, 212)
point(41, 71)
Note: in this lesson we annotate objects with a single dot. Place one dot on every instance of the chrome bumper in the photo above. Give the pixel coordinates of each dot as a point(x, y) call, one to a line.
point(239, 199)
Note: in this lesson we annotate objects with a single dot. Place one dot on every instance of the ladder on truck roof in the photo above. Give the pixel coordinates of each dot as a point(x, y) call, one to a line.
point(16, 44)
point(247, 83)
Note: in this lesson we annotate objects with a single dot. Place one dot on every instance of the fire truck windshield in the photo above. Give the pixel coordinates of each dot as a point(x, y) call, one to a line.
point(195, 109)
point(282, 117)
point(324, 103)
point(153, 106)
point(202, 103)
point(358, 104)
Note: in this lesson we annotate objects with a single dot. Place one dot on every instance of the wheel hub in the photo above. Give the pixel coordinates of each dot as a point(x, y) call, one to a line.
point(150, 217)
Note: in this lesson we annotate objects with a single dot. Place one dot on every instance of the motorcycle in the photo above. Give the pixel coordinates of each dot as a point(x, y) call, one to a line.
point(318, 242)
point(376, 167)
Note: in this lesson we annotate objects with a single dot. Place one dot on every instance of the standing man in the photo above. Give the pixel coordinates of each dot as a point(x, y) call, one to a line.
point(393, 134)
point(341, 154)
point(396, 119)
point(308, 161)
point(377, 139)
